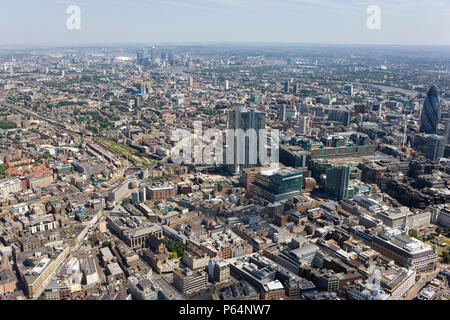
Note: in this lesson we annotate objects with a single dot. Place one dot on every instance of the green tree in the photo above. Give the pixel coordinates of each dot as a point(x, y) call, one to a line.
point(126, 201)
point(106, 244)
point(7, 124)
point(413, 233)
point(173, 255)
point(446, 256)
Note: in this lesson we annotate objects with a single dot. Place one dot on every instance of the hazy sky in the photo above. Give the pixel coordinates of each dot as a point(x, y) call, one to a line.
point(422, 22)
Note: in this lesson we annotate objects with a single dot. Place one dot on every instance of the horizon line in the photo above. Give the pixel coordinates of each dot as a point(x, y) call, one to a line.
point(206, 43)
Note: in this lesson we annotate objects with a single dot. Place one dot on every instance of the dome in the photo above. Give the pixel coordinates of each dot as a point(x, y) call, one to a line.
point(433, 90)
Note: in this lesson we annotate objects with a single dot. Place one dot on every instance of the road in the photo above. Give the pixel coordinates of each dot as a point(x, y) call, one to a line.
point(424, 279)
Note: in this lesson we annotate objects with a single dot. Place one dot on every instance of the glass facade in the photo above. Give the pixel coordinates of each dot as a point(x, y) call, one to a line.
point(431, 112)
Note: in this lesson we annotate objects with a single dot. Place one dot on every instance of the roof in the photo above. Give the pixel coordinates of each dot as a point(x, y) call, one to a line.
point(114, 269)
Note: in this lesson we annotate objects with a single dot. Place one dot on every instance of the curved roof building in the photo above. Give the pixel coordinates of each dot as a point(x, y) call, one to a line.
point(431, 112)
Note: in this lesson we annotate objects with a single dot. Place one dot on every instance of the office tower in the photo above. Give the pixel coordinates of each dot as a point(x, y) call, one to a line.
point(282, 113)
point(134, 197)
point(142, 57)
point(277, 184)
point(227, 85)
point(287, 87)
point(171, 58)
point(191, 82)
point(407, 252)
point(329, 282)
point(138, 101)
point(142, 88)
point(187, 281)
point(336, 183)
point(431, 112)
point(142, 195)
point(156, 55)
point(342, 116)
point(219, 271)
point(349, 89)
point(245, 120)
point(431, 145)
point(447, 131)
point(303, 125)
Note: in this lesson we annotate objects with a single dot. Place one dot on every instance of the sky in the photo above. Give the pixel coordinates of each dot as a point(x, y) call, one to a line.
point(403, 22)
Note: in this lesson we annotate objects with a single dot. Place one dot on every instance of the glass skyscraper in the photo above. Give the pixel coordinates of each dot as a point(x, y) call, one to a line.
point(336, 183)
point(278, 184)
point(431, 112)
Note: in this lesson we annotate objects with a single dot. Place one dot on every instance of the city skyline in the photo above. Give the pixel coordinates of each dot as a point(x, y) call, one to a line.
point(225, 153)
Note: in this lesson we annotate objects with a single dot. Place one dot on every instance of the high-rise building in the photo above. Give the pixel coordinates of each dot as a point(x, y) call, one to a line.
point(142, 57)
point(303, 125)
point(282, 113)
point(431, 112)
point(277, 184)
point(156, 55)
point(227, 85)
point(340, 115)
point(447, 131)
point(138, 101)
point(431, 145)
point(296, 87)
point(336, 183)
point(245, 120)
point(287, 87)
point(349, 89)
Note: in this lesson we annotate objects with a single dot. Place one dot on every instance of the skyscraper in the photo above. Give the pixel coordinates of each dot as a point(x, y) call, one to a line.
point(282, 113)
point(143, 56)
point(431, 145)
point(303, 125)
point(431, 112)
point(287, 87)
point(340, 115)
point(447, 131)
point(245, 120)
point(155, 54)
point(336, 183)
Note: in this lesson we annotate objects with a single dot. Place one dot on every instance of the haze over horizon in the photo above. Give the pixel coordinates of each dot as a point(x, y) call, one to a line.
point(403, 22)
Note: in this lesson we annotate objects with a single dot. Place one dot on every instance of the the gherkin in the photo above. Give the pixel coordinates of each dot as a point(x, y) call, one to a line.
point(431, 112)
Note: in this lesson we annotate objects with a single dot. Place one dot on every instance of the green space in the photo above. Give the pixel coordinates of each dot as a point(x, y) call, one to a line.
point(177, 249)
point(7, 125)
point(3, 169)
point(443, 253)
point(126, 152)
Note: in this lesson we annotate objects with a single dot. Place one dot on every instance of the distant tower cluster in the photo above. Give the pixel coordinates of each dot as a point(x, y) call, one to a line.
point(431, 112)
